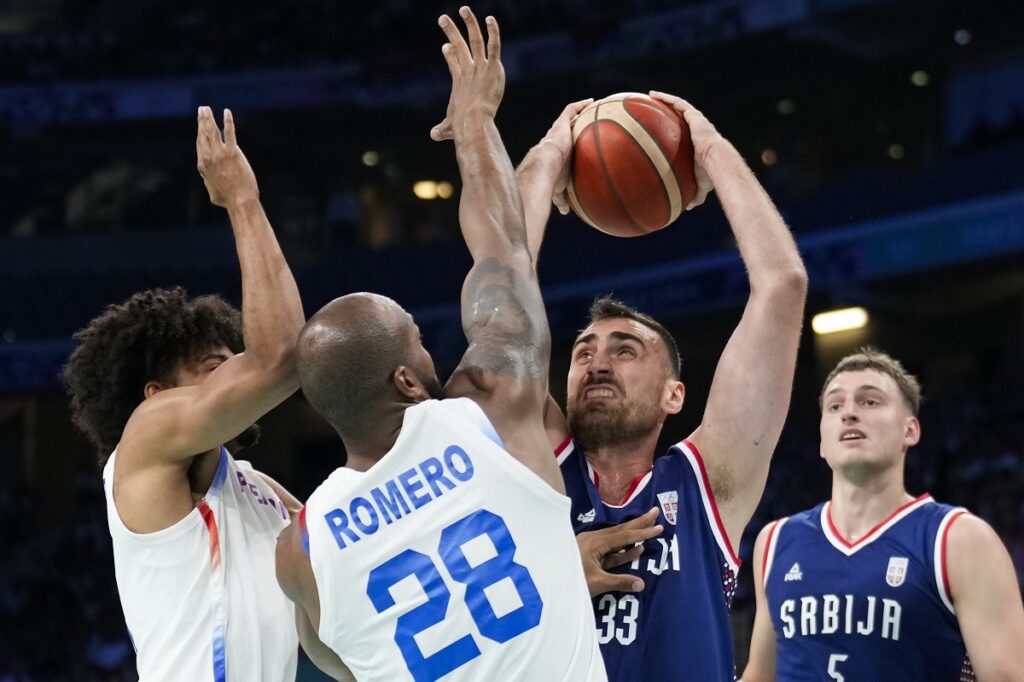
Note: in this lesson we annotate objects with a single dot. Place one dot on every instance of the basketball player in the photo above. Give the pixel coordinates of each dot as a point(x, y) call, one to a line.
point(668, 614)
point(159, 384)
point(876, 584)
point(442, 549)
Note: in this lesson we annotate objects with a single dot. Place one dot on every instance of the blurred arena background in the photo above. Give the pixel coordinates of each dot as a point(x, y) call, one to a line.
point(890, 134)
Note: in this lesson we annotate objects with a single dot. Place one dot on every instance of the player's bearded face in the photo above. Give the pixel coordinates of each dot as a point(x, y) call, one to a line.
point(632, 412)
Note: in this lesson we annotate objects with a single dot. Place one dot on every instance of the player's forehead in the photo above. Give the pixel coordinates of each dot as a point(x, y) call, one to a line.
point(861, 380)
point(618, 329)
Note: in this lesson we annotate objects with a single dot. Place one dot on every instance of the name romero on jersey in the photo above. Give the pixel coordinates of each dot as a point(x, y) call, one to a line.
point(410, 490)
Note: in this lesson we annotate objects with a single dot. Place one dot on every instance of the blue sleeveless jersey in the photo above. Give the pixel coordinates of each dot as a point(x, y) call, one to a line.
point(678, 627)
point(875, 609)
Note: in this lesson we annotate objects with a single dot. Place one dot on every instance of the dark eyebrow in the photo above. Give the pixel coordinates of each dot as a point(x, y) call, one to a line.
point(620, 336)
point(584, 339)
point(865, 387)
point(626, 336)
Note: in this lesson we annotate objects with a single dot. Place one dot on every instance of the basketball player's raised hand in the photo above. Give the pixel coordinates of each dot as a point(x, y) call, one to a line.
point(704, 136)
point(478, 78)
point(559, 137)
point(226, 172)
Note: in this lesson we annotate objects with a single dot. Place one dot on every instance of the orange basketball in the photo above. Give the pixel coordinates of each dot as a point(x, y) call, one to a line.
point(632, 166)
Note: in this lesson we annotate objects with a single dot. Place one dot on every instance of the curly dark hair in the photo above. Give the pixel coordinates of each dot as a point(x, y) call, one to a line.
point(129, 344)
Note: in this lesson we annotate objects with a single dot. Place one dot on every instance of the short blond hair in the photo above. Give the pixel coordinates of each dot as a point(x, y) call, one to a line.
point(872, 358)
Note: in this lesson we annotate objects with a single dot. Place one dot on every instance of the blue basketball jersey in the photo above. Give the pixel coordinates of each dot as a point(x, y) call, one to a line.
point(677, 628)
point(875, 609)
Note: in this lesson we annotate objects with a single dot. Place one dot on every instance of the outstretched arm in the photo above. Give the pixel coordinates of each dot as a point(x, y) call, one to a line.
point(542, 178)
point(750, 394)
point(986, 598)
point(505, 368)
point(177, 423)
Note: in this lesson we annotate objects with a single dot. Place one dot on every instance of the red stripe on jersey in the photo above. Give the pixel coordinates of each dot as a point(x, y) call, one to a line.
point(561, 448)
point(878, 527)
point(211, 526)
point(767, 550)
point(942, 551)
point(714, 505)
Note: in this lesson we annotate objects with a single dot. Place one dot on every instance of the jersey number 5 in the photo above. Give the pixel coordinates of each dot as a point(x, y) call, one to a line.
point(833, 661)
point(477, 578)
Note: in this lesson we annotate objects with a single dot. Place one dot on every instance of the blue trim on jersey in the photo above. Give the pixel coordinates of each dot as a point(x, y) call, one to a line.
point(303, 531)
point(221, 474)
point(219, 655)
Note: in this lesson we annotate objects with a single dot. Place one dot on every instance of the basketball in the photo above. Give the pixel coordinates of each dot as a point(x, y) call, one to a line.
point(632, 166)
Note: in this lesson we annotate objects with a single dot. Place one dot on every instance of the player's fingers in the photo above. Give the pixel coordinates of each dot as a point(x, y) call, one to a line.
point(573, 109)
point(677, 103)
point(202, 137)
point(493, 39)
point(626, 537)
point(615, 582)
point(454, 68)
point(630, 533)
point(442, 131)
point(209, 128)
point(626, 556)
point(229, 129)
point(459, 49)
point(561, 200)
point(476, 38)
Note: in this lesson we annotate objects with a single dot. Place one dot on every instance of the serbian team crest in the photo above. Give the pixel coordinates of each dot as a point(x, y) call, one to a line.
point(669, 505)
point(897, 572)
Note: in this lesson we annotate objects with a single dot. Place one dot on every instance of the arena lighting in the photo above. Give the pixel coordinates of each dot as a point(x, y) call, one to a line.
point(962, 37)
point(769, 157)
point(425, 189)
point(920, 78)
point(841, 320)
point(786, 107)
point(896, 151)
point(445, 190)
point(371, 158)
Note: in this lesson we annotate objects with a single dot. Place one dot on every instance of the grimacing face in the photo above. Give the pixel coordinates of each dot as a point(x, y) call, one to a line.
point(866, 426)
point(620, 387)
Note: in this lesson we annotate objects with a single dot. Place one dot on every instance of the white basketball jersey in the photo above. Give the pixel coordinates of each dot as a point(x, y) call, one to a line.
point(200, 598)
point(449, 559)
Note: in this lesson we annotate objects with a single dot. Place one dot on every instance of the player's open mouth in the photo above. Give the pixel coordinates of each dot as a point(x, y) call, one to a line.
point(599, 392)
point(852, 434)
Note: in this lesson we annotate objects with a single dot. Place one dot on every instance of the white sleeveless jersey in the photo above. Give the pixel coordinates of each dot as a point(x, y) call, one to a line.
point(449, 559)
point(200, 598)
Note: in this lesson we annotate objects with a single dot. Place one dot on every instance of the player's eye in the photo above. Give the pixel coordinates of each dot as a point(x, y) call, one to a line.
point(584, 355)
point(627, 352)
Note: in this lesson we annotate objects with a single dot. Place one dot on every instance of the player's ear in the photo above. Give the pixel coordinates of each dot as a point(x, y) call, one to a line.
point(912, 436)
point(675, 395)
point(409, 385)
point(152, 388)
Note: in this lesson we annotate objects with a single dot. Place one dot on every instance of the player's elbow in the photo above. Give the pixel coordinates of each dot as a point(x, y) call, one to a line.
point(784, 288)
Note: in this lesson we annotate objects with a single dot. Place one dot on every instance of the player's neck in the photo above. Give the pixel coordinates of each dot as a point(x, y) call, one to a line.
point(858, 506)
point(365, 451)
point(618, 466)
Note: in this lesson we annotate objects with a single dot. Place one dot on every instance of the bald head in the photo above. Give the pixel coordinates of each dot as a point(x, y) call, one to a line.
point(347, 355)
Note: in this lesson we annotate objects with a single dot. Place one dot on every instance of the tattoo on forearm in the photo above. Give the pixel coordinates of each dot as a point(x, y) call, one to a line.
point(504, 321)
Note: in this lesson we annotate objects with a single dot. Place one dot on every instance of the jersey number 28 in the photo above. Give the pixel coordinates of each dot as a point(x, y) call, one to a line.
point(476, 579)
